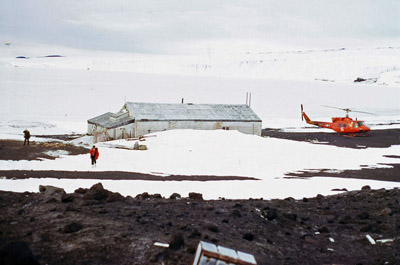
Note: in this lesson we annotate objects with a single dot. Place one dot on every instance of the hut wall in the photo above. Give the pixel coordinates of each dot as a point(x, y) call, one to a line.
point(91, 128)
point(145, 127)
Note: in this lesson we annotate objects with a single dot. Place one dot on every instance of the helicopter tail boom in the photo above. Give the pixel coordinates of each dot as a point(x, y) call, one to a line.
point(316, 123)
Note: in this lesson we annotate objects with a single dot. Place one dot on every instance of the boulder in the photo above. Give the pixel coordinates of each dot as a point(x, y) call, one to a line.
point(96, 192)
point(175, 196)
point(195, 196)
point(176, 242)
point(51, 190)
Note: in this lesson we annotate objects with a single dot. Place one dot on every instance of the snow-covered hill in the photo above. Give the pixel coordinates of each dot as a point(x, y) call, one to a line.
point(81, 84)
point(376, 65)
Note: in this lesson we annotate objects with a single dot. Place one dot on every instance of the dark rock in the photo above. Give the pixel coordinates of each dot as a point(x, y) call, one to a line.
point(290, 199)
point(343, 189)
point(72, 228)
point(359, 79)
point(213, 228)
point(320, 197)
point(156, 196)
point(305, 199)
point(191, 250)
point(363, 215)
point(345, 220)
point(310, 239)
point(366, 187)
point(17, 253)
point(159, 256)
point(67, 198)
point(366, 228)
point(54, 56)
point(271, 214)
point(176, 242)
point(143, 196)
point(323, 229)
point(290, 216)
point(96, 192)
point(115, 197)
point(386, 211)
point(70, 208)
point(21, 212)
point(175, 196)
point(81, 191)
point(248, 236)
point(51, 200)
point(195, 196)
point(236, 213)
point(51, 190)
point(195, 234)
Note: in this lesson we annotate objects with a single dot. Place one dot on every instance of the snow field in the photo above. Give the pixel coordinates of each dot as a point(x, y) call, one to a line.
point(58, 95)
point(223, 153)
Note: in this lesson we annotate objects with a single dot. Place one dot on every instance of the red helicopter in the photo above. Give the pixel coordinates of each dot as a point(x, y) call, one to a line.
point(341, 125)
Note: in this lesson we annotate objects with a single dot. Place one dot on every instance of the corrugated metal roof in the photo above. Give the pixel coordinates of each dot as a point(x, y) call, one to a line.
point(106, 120)
point(175, 112)
point(198, 112)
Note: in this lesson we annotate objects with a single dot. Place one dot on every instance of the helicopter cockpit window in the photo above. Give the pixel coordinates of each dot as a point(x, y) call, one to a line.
point(344, 125)
point(361, 123)
point(340, 125)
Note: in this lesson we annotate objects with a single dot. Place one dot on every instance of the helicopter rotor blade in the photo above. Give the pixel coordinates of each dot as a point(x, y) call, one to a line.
point(347, 110)
point(363, 112)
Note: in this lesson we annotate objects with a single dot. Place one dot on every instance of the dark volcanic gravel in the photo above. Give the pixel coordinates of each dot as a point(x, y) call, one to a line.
point(96, 226)
point(15, 150)
point(374, 138)
point(116, 175)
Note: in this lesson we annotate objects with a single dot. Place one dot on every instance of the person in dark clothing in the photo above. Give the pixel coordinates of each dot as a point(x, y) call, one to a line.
point(27, 135)
point(94, 154)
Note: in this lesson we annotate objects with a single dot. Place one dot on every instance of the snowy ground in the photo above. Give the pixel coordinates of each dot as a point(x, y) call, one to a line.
point(56, 95)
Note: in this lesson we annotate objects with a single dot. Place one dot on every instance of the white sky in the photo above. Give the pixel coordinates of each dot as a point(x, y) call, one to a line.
point(175, 26)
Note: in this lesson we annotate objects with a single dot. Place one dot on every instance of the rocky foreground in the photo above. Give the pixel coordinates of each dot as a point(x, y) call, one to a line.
point(96, 226)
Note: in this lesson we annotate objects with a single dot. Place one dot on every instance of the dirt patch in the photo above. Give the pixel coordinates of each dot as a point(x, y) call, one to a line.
point(382, 174)
point(96, 226)
point(374, 138)
point(115, 175)
point(16, 150)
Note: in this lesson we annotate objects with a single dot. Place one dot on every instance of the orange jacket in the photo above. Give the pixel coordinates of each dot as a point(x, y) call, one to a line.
point(94, 152)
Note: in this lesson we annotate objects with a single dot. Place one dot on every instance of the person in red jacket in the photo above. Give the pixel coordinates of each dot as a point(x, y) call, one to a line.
point(94, 154)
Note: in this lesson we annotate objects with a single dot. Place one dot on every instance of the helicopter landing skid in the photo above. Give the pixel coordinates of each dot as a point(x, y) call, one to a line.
point(355, 135)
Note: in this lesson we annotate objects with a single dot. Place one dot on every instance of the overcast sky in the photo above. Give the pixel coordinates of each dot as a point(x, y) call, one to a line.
point(171, 25)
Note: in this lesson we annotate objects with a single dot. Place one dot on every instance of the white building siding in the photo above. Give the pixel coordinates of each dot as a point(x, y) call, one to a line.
point(102, 134)
point(145, 127)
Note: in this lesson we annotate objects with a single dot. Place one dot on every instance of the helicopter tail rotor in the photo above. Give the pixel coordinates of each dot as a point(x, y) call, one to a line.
point(302, 116)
